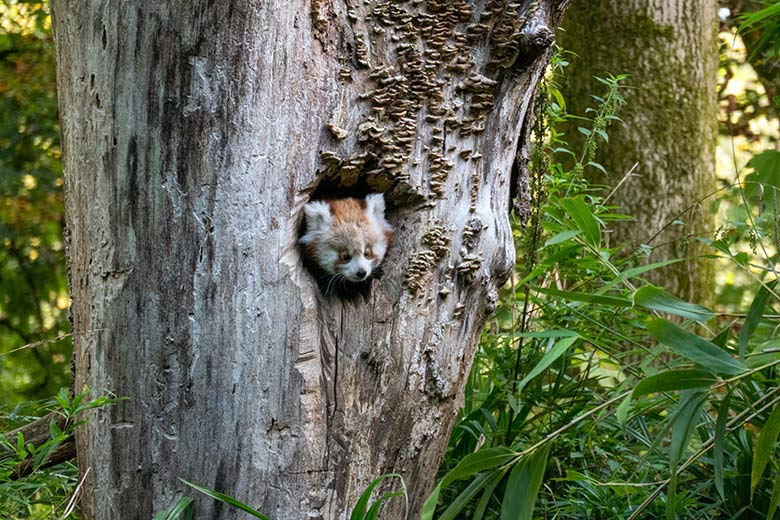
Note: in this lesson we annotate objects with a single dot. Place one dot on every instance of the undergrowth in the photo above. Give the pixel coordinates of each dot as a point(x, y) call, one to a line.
point(597, 395)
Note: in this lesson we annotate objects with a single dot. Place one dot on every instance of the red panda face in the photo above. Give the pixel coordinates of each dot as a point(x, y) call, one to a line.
point(347, 238)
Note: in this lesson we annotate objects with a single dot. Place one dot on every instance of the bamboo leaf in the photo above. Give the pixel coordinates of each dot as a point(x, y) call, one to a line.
point(615, 301)
point(754, 315)
point(672, 380)
point(487, 494)
point(582, 216)
point(359, 511)
point(226, 499)
point(684, 424)
point(719, 441)
point(548, 359)
point(523, 486)
point(471, 464)
point(695, 348)
point(465, 496)
point(562, 237)
point(764, 448)
point(772, 509)
point(655, 298)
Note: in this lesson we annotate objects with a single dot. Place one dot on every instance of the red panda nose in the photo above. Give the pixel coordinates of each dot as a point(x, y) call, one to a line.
point(361, 273)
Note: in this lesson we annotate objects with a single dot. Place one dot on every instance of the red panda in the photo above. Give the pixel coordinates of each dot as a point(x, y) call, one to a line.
point(345, 242)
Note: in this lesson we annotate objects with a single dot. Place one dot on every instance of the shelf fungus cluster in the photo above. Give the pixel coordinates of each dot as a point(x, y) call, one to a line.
point(435, 244)
point(431, 71)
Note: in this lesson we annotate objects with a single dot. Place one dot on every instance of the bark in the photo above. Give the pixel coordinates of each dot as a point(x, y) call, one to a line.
point(670, 50)
point(193, 134)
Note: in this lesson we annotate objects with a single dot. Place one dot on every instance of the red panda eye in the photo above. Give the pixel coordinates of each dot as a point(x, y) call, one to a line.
point(368, 252)
point(345, 256)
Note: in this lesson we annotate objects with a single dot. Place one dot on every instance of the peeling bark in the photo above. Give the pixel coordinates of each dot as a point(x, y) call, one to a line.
point(193, 134)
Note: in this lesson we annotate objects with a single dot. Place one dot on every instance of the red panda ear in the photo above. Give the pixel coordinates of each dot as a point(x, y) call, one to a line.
point(318, 217)
point(375, 205)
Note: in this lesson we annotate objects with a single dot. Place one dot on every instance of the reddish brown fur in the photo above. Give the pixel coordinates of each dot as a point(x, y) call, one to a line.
point(348, 210)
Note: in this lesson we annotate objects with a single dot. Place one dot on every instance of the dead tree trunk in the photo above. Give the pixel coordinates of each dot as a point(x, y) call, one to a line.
point(194, 132)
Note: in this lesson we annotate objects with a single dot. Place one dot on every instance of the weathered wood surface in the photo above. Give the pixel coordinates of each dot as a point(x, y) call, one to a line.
point(194, 132)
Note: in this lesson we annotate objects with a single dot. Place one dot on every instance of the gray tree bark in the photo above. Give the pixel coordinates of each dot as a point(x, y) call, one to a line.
point(670, 49)
point(193, 134)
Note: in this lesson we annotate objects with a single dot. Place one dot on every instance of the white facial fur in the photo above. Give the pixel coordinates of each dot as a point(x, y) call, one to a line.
point(340, 247)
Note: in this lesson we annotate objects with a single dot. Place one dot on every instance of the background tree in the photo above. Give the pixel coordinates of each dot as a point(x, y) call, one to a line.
point(193, 135)
point(670, 50)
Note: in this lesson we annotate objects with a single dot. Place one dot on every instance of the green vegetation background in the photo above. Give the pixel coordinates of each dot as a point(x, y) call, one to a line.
point(549, 415)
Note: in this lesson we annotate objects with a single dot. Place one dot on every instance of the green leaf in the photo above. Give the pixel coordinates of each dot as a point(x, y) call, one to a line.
point(684, 424)
point(595, 164)
point(465, 496)
point(471, 464)
point(636, 271)
point(185, 505)
point(359, 512)
point(672, 380)
point(773, 502)
point(622, 410)
point(563, 236)
point(429, 506)
point(719, 442)
point(759, 15)
point(655, 298)
point(487, 494)
point(694, 348)
point(373, 512)
point(548, 359)
point(767, 171)
point(54, 430)
point(226, 499)
point(754, 315)
point(523, 486)
point(582, 216)
point(616, 301)
point(764, 448)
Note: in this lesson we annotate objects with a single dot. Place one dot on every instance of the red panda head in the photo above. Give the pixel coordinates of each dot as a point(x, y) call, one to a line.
point(347, 238)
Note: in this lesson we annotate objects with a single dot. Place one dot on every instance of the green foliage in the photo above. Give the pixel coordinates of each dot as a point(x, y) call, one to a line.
point(627, 401)
point(33, 281)
point(46, 491)
point(362, 511)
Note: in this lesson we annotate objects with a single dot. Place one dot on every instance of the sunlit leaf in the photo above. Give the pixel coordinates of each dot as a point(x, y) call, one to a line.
point(672, 380)
point(655, 298)
point(583, 217)
point(694, 348)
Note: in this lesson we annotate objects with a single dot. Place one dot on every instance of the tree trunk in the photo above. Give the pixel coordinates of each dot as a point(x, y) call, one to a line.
point(670, 50)
point(193, 134)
